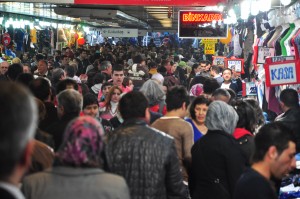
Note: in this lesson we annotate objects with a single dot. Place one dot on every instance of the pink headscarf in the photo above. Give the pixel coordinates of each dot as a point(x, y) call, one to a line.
point(196, 90)
point(82, 144)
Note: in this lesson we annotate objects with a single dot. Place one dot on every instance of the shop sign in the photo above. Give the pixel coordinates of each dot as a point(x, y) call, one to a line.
point(264, 52)
point(205, 41)
point(235, 64)
point(282, 58)
point(188, 3)
point(219, 61)
point(251, 89)
point(209, 48)
point(281, 71)
point(281, 74)
point(201, 24)
point(118, 32)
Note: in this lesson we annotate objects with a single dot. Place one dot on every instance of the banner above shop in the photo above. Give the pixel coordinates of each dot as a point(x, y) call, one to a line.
point(152, 2)
point(118, 32)
point(201, 24)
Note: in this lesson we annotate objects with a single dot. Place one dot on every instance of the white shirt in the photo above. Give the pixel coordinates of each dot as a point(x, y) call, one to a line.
point(13, 190)
point(225, 85)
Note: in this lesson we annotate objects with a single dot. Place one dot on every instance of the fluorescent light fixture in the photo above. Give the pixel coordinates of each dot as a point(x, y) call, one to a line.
point(245, 7)
point(285, 2)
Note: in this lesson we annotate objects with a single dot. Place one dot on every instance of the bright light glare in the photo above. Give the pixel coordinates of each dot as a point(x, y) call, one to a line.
point(245, 7)
point(285, 2)
point(264, 5)
point(254, 7)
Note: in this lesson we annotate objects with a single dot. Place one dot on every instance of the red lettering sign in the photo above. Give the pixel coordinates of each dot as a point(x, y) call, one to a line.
point(204, 17)
point(201, 24)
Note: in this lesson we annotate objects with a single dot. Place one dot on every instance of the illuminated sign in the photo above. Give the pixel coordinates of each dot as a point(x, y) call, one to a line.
point(201, 24)
point(204, 17)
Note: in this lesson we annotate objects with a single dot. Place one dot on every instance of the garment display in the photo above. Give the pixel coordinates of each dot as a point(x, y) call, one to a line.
point(276, 35)
point(278, 50)
point(282, 41)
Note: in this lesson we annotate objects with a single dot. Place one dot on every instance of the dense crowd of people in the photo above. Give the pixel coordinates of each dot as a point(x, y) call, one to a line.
point(134, 122)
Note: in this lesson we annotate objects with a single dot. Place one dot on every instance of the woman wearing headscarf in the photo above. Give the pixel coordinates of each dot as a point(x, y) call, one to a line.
point(217, 161)
point(155, 95)
point(76, 172)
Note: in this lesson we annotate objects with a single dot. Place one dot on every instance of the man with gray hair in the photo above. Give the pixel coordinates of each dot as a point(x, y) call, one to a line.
point(18, 120)
point(106, 70)
point(57, 75)
point(221, 94)
point(69, 107)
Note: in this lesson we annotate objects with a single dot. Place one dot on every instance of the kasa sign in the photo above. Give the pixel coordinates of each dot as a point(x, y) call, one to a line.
point(283, 74)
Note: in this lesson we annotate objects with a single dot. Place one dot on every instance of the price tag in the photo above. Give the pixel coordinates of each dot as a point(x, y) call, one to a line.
point(263, 53)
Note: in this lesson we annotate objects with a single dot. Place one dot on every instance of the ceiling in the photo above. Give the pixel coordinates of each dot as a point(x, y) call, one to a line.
point(152, 18)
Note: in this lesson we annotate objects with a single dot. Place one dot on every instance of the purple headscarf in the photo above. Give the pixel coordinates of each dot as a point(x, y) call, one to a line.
point(82, 144)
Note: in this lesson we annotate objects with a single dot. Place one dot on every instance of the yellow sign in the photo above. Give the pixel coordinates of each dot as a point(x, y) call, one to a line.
point(209, 49)
point(205, 41)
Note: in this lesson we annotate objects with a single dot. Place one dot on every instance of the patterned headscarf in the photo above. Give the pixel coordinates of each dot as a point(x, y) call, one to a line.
point(82, 144)
point(196, 90)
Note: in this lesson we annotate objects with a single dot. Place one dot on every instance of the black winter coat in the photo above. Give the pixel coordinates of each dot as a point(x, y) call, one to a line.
point(291, 118)
point(217, 163)
point(147, 159)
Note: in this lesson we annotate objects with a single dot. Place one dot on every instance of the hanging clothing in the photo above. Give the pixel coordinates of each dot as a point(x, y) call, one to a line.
point(237, 49)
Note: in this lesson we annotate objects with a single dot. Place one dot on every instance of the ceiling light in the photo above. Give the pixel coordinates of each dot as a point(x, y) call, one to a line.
point(254, 7)
point(245, 7)
point(265, 5)
point(285, 2)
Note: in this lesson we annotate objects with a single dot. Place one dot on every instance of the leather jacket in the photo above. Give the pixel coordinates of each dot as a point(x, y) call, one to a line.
point(147, 159)
point(291, 118)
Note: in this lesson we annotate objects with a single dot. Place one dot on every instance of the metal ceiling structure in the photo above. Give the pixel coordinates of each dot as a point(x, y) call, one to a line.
point(150, 17)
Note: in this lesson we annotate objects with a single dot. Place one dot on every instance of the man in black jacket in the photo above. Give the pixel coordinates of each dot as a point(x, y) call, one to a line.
point(144, 156)
point(68, 108)
point(289, 103)
point(18, 119)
